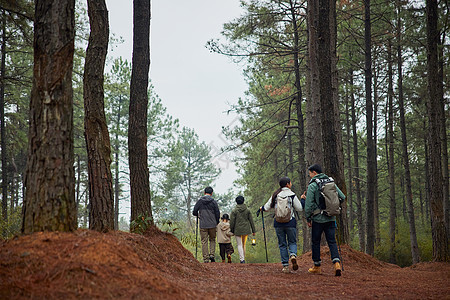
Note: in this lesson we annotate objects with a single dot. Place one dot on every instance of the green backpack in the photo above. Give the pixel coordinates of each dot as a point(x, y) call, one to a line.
point(329, 202)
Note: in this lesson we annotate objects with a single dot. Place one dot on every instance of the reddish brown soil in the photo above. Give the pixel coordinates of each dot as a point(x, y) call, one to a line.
point(119, 265)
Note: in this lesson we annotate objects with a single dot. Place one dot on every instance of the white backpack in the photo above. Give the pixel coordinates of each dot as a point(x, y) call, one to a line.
point(283, 208)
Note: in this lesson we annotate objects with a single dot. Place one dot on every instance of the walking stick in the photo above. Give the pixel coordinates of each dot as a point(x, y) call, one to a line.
point(264, 231)
point(196, 238)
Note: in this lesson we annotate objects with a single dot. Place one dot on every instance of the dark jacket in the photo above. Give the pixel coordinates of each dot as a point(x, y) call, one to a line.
point(241, 221)
point(207, 210)
point(312, 201)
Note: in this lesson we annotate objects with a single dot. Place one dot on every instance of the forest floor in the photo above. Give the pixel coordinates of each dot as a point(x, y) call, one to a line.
point(120, 265)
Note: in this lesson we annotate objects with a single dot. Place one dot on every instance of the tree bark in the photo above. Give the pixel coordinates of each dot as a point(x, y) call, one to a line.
point(313, 145)
point(137, 126)
point(445, 170)
point(298, 99)
point(409, 199)
point(375, 142)
point(333, 165)
point(2, 122)
point(300, 122)
point(371, 158)
point(338, 174)
point(438, 228)
point(359, 206)
point(49, 202)
point(391, 164)
point(101, 197)
point(349, 158)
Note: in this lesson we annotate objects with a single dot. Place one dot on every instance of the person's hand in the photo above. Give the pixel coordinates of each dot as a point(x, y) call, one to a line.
point(310, 224)
point(303, 196)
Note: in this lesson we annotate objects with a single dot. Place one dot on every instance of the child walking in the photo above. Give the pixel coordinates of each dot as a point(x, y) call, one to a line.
point(223, 238)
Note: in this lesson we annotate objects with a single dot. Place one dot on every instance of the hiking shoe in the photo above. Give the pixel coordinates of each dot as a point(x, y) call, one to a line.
point(212, 259)
point(223, 260)
point(286, 270)
point(242, 261)
point(337, 269)
point(294, 262)
point(229, 258)
point(315, 270)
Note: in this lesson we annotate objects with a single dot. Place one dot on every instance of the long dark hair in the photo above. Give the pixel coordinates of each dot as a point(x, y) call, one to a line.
point(283, 183)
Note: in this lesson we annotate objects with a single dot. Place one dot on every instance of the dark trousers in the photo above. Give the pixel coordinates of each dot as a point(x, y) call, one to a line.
point(329, 228)
point(225, 249)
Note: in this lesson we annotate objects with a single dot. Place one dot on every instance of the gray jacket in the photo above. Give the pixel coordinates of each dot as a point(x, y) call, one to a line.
point(207, 210)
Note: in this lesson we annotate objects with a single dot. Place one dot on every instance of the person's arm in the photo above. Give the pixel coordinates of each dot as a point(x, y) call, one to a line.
point(297, 204)
point(252, 224)
point(310, 203)
point(217, 211)
point(266, 206)
point(232, 222)
point(196, 207)
point(340, 193)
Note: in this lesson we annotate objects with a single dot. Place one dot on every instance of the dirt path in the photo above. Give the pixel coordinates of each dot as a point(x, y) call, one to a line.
point(118, 265)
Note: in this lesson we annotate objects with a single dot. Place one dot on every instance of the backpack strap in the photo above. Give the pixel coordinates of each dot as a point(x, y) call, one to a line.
point(319, 183)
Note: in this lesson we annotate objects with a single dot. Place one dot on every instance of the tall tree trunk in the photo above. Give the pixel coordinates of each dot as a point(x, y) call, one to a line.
point(438, 228)
point(300, 126)
point(427, 171)
point(137, 126)
point(349, 158)
point(409, 199)
point(391, 164)
point(375, 142)
point(338, 173)
point(50, 181)
point(298, 99)
point(371, 158)
point(78, 184)
point(290, 168)
point(359, 206)
point(445, 173)
point(2, 122)
point(314, 151)
point(101, 213)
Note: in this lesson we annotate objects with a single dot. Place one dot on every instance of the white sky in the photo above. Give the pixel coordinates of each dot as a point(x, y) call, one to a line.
point(194, 84)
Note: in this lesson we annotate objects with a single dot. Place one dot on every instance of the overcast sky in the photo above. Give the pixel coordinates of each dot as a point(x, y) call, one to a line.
point(195, 85)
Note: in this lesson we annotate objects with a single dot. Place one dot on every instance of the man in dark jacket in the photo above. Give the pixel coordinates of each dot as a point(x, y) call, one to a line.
point(207, 210)
point(320, 222)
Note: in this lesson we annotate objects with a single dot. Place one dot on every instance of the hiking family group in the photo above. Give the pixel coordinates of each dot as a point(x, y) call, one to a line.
point(320, 204)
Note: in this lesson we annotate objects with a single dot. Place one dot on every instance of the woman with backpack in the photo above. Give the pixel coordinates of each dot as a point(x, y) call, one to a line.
point(285, 202)
point(241, 225)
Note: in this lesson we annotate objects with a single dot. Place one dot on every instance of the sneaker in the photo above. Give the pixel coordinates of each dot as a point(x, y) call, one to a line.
point(242, 261)
point(286, 270)
point(211, 258)
point(294, 262)
point(229, 258)
point(315, 270)
point(337, 269)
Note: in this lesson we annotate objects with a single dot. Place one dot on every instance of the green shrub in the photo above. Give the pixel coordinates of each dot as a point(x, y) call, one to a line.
point(12, 226)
